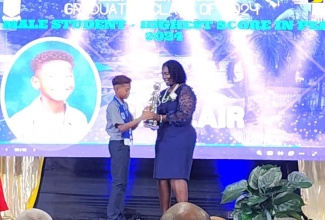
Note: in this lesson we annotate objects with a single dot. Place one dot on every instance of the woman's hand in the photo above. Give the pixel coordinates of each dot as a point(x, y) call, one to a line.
point(156, 117)
point(159, 118)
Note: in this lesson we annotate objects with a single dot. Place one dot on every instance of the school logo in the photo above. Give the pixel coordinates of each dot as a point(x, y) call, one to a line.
point(11, 10)
point(123, 115)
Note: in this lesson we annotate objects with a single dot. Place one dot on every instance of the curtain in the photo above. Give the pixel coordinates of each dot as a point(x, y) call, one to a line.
point(21, 178)
point(314, 196)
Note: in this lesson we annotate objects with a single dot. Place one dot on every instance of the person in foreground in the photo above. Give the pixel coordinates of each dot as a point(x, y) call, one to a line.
point(120, 124)
point(185, 211)
point(34, 214)
point(176, 137)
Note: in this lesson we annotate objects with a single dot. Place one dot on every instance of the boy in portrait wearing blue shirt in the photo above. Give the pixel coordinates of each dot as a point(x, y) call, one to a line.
point(120, 124)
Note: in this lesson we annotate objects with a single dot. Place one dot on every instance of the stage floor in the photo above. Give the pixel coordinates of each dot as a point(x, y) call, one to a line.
point(78, 188)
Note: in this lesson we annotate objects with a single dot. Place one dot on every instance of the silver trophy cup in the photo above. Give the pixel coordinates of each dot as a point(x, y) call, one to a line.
point(153, 103)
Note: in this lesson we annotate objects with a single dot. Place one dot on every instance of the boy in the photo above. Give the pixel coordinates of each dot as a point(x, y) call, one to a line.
point(120, 124)
point(49, 118)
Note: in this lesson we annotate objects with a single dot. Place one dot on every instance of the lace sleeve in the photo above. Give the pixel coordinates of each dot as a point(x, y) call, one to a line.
point(185, 109)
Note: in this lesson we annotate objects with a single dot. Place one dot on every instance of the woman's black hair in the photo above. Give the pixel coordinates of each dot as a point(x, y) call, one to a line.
point(176, 71)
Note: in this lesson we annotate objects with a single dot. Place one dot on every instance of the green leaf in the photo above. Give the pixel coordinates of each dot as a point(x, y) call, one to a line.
point(267, 215)
point(283, 182)
point(294, 215)
point(260, 216)
point(240, 201)
point(282, 215)
point(254, 200)
point(288, 201)
point(271, 178)
point(253, 177)
point(267, 166)
point(285, 196)
point(246, 217)
point(236, 214)
point(289, 187)
point(252, 191)
point(233, 191)
point(299, 180)
point(276, 190)
point(282, 186)
point(291, 205)
point(247, 210)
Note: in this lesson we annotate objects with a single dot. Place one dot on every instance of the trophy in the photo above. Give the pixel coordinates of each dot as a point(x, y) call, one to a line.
point(153, 103)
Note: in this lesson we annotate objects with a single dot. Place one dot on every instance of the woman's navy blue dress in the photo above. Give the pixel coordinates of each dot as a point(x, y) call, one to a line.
point(176, 138)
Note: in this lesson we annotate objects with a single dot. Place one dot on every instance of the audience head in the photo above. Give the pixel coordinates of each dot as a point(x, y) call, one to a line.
point(34, 214)
point(185, 211)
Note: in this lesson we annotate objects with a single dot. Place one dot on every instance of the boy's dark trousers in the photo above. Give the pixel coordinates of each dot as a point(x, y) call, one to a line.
point(120, 160)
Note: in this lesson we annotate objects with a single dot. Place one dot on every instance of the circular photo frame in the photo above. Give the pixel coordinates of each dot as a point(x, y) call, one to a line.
point(50, 94)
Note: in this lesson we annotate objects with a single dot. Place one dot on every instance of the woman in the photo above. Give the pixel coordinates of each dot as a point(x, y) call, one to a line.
point(176, 136)
point(3, 204)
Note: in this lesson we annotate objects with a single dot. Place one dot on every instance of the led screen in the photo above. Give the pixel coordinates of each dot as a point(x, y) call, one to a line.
point(257, 68)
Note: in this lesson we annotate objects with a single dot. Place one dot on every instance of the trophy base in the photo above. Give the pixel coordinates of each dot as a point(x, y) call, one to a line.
point(151, 126)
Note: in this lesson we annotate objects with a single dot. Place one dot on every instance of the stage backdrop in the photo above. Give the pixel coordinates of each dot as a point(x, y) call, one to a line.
point(256, 66)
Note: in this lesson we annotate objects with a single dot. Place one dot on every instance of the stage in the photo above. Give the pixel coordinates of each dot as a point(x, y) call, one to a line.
point(78, 188)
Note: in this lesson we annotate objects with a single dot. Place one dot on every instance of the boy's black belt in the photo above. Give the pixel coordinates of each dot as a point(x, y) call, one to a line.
point(120, 141)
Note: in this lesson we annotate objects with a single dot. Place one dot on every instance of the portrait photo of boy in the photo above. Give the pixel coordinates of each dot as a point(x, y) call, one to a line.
point(49, 118)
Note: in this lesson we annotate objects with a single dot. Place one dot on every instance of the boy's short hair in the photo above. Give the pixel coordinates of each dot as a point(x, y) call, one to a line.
point(50, 55)
point(121, 79)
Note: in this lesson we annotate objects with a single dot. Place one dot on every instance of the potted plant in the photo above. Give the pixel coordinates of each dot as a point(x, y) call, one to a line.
point(265, 195)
